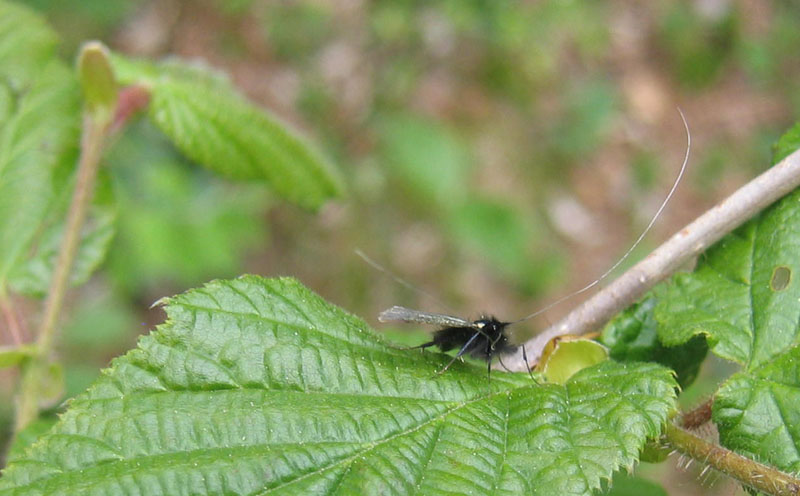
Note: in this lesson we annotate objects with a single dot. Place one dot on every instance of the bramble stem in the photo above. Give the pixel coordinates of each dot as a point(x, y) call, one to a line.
point(94, 133)
point(749, 472)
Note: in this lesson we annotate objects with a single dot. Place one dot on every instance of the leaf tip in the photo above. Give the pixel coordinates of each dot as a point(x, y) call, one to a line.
point(97, 79)
point(161, 302)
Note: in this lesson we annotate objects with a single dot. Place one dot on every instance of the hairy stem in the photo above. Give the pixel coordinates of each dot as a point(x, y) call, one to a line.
point(94, 133)
point(683, 246)
point(750, 473)
point(697, 416)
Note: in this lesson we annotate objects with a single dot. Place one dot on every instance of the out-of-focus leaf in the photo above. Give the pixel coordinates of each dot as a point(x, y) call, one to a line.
point(32, 276)
point(39, 130)
point(590, 106)
point(258, 386)
point(630, 485)
point(427, 157)
point(177, 224)
point(51, 390)
point(698, 46)
point(494, 229)
point(97, 81)
point(214, 126)
point(632, 336)
point(99, 324)
point(14, 355)
point(510, 241)
point(27, 45)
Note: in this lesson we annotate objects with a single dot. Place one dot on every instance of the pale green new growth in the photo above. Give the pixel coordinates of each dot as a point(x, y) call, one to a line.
point(213, 125)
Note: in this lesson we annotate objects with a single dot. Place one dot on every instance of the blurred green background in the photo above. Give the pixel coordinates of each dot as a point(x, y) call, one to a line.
point(497, 154)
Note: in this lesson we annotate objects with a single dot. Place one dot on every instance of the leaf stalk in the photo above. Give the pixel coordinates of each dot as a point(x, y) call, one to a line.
point(95, 129)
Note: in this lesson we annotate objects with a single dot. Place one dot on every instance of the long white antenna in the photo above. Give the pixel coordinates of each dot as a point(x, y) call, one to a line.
point(638, 240)
point(375, 265)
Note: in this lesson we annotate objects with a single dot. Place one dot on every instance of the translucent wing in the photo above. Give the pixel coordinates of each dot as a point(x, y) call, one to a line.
point(403, 314)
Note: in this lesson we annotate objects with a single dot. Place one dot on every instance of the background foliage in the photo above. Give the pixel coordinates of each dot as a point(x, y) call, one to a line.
point(482, 145)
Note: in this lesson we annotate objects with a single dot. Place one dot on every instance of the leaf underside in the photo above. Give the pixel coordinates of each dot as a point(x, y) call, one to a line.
point(213, 125)
point(257, 386)
point(633, 336)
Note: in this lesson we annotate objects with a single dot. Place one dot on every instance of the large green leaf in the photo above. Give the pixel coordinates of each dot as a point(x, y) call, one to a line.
point(743, 294)
point(214, 126)
point(38, 128)
point(257, 386)
point(758, 412)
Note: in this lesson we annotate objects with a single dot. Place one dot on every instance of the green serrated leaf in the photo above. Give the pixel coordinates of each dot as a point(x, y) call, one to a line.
point(632, 336)
point(40, 129)
point(757, 412)
point(257, 386)
point(743, 294)
point(214, 126)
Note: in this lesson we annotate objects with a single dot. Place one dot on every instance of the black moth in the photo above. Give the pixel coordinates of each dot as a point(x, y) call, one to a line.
point(483, 339)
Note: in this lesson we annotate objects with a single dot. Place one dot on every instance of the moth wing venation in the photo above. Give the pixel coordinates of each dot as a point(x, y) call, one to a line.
point(403, 314)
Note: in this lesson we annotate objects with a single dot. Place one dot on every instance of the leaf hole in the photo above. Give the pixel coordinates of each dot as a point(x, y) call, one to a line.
point(781, 277)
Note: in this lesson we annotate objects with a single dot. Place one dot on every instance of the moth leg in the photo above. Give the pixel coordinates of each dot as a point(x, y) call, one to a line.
point(418, 347)
point(422, 346)
point(500, 359)
point(460, 352)
point(527, 364)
